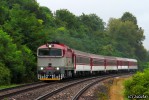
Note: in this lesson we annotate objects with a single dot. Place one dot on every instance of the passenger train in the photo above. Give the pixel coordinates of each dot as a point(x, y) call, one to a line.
point(56, 61)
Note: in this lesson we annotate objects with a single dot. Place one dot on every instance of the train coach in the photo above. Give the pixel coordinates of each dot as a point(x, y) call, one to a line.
point(56, 61)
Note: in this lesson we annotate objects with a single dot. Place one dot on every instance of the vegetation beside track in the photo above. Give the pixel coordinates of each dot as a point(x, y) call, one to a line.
point(138, 86)
point(112, 89)
point(102, 92)
point(8, 86)
point(117, 88)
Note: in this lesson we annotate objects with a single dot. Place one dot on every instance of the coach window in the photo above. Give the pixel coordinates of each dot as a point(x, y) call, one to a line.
point(82, 60)
point(86, 60)
point(125, 63)
point(135, 63)
point(78, 59)
point(111, 62)
point(101, 62)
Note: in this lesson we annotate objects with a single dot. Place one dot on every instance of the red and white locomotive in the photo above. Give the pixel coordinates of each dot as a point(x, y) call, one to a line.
point(57, 61)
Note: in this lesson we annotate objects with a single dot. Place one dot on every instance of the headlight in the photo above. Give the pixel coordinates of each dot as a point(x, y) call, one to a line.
point(57, 68)
point(41, 68)
point(50, 45)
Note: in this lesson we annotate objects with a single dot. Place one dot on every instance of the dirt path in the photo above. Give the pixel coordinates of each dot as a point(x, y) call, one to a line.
point(117, 88)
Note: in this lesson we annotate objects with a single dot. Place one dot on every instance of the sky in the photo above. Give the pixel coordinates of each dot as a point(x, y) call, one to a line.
point(106, 9)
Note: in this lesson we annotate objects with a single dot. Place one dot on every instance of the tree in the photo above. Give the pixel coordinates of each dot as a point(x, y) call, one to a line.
point(129, 17)
point(29, 64)
point(11, 57)
point(138, 35)
point(5, 77)
point(66, 19)
point(46, 17)
point(93, 22)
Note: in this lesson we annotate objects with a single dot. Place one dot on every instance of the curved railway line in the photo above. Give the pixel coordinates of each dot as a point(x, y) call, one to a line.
point(79, 94)
point(50, 94)
point(68, 90)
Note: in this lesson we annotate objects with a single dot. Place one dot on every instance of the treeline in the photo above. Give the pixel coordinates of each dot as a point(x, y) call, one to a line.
point(24, 26)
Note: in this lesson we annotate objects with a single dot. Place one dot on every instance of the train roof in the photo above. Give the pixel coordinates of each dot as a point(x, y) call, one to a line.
point(134, 60)
point(77, 52)
point(126, 59)
point(56, 44)
point(122, 59)
point(96, 56)
point(110, 57)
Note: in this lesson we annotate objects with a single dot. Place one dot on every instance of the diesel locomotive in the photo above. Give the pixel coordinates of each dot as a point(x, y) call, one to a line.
point(56, 61)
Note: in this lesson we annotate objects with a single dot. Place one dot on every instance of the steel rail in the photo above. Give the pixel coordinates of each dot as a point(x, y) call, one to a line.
point(20, 86)
point(79, 94)
point(47, 95)
point(23, 90)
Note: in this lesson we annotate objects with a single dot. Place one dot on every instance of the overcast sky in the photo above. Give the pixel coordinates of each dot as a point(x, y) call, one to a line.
point(106, 9)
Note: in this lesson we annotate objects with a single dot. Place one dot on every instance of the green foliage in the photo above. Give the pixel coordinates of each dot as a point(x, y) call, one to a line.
point(5, 75)
point(93, 22)
point(11, 57)
point(29, 63)
point(127, 39)
point(67, 19)
point(138, 85)
point(129, 17)
point(8, 86)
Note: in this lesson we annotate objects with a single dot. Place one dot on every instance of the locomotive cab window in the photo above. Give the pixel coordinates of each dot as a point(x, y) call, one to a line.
point(50, 52)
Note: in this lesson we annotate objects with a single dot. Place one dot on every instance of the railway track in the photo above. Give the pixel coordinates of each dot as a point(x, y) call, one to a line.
point(67, 90)
point(47, 95)
point(74, 90)
point(79, 94)
point(31, 91)
point(20, 86)
point(70, 91)
point(9, 92)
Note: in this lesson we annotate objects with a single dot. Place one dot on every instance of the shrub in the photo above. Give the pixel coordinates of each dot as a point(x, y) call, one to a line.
point(138, 85)
point(5, 76)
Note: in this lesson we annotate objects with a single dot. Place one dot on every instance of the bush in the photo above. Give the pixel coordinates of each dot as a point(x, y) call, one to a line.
point(11, 57)
point(138, 85)
point(5, 76)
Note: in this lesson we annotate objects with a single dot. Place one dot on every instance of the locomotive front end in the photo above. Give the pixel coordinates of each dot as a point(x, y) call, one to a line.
point(51, 62)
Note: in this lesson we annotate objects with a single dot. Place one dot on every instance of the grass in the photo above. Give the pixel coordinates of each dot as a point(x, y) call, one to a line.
point(117, 89)
point(8, 86)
